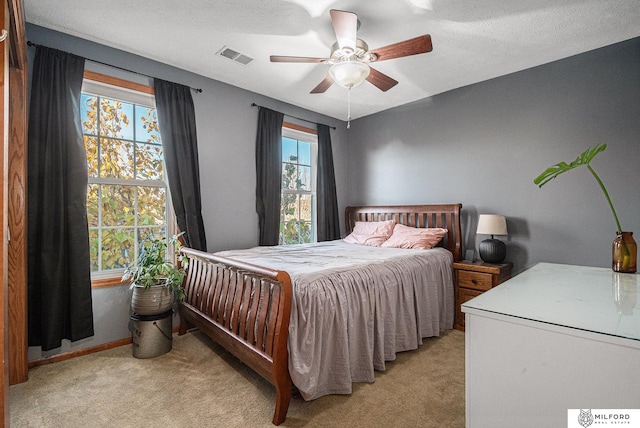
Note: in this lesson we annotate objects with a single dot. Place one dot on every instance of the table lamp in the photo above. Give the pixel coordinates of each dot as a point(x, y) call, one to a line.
point(492, 250)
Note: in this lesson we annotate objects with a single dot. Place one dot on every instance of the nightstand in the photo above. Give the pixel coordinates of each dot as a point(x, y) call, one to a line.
point(473, 279)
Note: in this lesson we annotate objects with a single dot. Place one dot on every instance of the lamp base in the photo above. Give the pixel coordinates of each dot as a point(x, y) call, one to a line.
point(492, 250)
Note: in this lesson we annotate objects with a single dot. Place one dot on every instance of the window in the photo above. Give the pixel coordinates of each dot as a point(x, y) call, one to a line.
point(127, 196)
point(298, 203)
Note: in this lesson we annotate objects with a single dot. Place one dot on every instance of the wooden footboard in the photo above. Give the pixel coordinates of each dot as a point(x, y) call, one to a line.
point(246, 309)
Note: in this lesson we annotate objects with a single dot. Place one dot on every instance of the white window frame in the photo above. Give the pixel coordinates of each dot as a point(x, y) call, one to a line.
point(131, 96)
point(312, 138)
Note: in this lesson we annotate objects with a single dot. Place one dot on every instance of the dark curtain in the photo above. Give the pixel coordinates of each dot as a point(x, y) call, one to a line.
point(59, 270)
point(328, 218)
point(268, 174)
point(177, 122)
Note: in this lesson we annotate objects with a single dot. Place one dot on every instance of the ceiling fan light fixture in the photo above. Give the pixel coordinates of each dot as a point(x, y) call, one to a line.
point(349, 74)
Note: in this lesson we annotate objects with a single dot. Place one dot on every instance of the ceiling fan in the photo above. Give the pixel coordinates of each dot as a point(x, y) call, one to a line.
point(350, 57)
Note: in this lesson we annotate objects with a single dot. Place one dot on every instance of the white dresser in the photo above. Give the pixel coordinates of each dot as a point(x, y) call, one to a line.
point(552, 338)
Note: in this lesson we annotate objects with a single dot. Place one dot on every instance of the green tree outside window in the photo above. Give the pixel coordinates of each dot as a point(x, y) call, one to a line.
point(126, 194)
point(296, 215)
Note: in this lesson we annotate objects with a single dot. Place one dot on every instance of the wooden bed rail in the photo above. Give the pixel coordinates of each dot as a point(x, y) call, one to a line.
point(446, 216)
point(246, 309)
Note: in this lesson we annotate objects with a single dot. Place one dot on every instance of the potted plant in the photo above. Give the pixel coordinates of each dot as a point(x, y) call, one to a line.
point(156, 278)
point(624, 246)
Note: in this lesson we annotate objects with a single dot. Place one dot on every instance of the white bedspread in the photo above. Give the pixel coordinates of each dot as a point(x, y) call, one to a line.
point(355, 307)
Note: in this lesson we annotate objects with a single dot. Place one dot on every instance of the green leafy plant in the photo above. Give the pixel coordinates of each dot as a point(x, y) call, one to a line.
point(583, 160)
point(154, 267)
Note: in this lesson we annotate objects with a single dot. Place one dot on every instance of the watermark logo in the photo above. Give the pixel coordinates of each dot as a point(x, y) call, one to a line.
point(586, 418)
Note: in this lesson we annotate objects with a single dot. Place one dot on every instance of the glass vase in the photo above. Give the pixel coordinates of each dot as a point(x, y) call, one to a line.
point(625, 253)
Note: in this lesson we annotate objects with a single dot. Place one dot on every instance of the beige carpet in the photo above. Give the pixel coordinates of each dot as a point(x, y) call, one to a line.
point(198, 384)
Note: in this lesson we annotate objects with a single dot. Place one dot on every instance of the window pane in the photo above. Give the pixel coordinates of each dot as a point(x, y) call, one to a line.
point(289, 176)
point(304, 153)
point(91, 147)
point(304, 228)
point(305, 210)
point(117, 248)
point(147, 130)
point(289, 206)
point(149, 162)
point(151, 206)
point(115, 119)
point(116, 159)
point(89, 114)
point(117, 205)
point(94, 246)
point(304, 178)
point(92, 205)
point(150, 233)
point(289, 150)
point(289, 233)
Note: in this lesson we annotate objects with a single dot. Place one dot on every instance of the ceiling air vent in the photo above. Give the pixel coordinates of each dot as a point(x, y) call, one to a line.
point(234, 56)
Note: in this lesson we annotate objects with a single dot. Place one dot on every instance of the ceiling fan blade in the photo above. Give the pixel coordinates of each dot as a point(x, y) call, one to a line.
point(380, 80)
point(323, 86)
point(409, 47)
point(280, 58)
point(345, 25)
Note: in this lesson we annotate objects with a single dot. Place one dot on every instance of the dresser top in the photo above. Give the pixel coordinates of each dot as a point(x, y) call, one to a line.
point(580, 297)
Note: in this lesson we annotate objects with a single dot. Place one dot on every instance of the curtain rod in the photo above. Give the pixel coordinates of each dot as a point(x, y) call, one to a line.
point(299, 118)
point(29, 43)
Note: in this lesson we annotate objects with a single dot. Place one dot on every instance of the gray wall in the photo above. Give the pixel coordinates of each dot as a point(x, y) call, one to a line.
point(226, 125)
point(483, 145)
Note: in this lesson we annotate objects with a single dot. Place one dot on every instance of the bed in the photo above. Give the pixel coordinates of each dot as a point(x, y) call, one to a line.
point(322, 316)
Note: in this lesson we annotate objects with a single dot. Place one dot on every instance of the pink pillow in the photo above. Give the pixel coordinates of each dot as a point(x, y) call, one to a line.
point(414, 237)
point(372, 233)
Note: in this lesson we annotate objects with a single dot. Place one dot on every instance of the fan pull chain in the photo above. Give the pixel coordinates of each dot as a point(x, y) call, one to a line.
point(348, 107)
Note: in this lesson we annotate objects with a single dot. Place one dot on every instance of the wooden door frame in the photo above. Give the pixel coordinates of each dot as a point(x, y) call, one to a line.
point(17, 196)
point(4, 126)
point(13, 128)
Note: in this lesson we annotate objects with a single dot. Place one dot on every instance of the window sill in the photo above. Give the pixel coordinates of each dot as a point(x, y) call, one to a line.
point(103, 282)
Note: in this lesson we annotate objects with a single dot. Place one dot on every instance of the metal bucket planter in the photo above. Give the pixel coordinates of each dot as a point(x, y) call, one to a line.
point(151, 335)
point(153, 300)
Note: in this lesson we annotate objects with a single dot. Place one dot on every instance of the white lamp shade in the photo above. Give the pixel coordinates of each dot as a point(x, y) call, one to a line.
point(491, 224)
point(349, 74)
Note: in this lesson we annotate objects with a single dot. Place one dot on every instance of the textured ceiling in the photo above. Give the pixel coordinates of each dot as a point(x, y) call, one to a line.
point(472, 40)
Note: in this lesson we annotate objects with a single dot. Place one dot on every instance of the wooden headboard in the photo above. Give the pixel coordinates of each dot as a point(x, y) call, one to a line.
point(443, 215)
